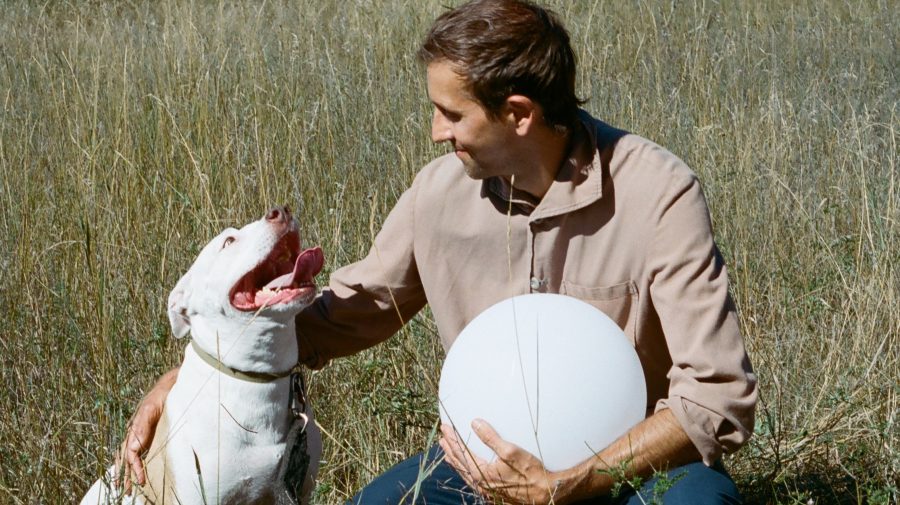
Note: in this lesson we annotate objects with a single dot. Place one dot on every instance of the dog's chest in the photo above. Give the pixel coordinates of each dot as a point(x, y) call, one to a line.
point(235, 430)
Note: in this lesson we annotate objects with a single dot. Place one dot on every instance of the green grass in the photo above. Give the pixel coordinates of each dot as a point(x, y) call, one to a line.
point(132, 132)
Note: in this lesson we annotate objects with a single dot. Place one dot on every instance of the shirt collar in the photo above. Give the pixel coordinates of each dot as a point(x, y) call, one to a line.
point(579, 181)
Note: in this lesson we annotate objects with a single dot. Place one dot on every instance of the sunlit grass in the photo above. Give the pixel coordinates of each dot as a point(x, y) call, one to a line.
point(131, 133)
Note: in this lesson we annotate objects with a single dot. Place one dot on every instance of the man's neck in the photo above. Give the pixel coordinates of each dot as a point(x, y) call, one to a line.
point(549, 149)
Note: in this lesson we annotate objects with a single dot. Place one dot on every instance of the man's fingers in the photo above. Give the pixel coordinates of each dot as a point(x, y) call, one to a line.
point(138, 439)
point(126, 481)
point(129, 465)
point(489, 436)
point(453, 448)
point(485, 477)
point(447, 431)
point(504, 450)
point(484, 430)
point(461, 458)
point(137, 469)
point(450, 455)
point(453, 444)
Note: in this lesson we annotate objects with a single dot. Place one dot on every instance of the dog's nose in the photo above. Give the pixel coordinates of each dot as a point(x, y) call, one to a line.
point(279, 215)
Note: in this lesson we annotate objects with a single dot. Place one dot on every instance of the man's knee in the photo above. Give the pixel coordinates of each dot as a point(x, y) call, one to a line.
point(693, 484)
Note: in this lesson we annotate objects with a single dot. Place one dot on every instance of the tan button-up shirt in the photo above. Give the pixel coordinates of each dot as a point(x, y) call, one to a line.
point(627, 231)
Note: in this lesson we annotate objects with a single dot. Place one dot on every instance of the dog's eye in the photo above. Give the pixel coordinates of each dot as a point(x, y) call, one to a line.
point(227, 242)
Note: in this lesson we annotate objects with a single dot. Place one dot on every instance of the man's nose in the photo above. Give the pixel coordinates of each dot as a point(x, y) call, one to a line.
point(440, 128)
point(279, 215)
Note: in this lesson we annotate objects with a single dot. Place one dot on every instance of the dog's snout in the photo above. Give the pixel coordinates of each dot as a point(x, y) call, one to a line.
point(279, 215)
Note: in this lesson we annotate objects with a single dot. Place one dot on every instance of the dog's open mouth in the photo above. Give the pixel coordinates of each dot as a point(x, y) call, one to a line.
point(284, 276)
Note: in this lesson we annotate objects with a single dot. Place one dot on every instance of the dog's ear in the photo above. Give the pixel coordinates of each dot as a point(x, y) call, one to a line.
point(178, 310)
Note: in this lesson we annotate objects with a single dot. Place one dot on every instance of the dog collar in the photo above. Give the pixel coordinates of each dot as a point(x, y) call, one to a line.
point(259, 377)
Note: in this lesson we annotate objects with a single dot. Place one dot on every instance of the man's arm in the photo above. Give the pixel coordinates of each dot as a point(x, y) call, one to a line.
point(142, 428)
point(370, 300)
point(656, 443)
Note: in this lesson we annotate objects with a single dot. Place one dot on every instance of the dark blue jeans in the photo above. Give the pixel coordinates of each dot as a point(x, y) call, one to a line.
point(439, 484)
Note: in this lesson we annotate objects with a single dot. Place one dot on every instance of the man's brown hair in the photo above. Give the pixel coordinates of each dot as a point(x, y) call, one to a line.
point(508, 47)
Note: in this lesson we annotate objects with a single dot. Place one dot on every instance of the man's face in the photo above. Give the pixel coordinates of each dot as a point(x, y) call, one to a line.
point(481, 143)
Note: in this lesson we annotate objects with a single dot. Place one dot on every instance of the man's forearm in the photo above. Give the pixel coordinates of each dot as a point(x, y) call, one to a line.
point(656, 443)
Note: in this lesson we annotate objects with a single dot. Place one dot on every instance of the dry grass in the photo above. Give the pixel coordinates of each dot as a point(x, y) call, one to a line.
point(132, 132)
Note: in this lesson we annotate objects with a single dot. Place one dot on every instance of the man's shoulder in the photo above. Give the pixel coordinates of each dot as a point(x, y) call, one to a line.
point(656, 156)
point(646, 164)
point(635, 156)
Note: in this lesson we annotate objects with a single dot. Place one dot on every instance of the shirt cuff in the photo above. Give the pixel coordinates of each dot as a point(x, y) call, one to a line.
point(711, 433)
point(307, 354)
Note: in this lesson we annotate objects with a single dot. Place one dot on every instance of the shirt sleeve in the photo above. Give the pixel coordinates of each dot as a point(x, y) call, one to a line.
point(712, 388)
point(368, 301)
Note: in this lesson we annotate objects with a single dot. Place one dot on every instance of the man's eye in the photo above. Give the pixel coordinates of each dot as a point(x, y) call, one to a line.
point(453, 117)
point(227, 242)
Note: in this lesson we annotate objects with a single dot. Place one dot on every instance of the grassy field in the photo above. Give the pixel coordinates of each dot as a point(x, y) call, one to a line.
point(132, 132)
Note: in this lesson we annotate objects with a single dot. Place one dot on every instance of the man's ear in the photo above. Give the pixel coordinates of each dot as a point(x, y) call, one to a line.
point(523, 111)
point(178, 308)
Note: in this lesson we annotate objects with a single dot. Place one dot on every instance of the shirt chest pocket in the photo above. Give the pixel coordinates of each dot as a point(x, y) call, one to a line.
point(618, 301)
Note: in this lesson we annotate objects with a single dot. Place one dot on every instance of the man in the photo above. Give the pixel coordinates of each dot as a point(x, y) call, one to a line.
point(540, 197)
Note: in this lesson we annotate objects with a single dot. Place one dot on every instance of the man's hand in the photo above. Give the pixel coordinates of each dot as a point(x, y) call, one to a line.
point(657, 442)
point(516, 476)
point(140, 432)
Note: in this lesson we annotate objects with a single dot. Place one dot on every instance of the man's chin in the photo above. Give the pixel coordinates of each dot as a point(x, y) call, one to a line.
point(473, 170)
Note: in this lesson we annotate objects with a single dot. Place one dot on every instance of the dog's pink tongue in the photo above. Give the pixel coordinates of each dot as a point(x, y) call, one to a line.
point(309, 264)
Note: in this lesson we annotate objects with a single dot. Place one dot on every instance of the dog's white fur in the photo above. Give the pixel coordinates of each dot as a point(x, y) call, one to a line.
point(237, 429)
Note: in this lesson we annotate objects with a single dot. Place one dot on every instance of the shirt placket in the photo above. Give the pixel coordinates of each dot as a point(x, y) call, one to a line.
point(540, 270)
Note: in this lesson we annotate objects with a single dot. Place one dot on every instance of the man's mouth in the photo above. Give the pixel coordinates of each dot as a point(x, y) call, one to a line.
point(284, 276)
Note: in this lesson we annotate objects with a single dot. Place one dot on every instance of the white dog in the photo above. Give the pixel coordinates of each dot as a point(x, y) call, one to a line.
point(236, 428)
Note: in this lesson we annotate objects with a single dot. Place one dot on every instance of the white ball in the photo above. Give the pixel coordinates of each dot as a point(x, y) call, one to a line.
point(550, 373)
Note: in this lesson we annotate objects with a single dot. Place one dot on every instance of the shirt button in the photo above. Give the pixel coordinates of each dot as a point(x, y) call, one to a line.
point(536, 284)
